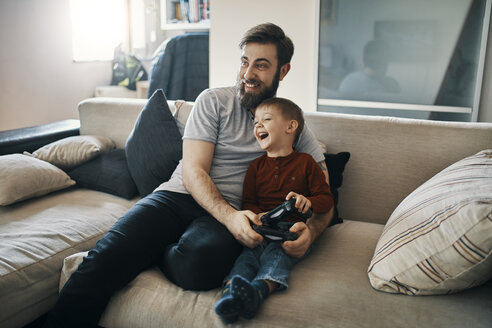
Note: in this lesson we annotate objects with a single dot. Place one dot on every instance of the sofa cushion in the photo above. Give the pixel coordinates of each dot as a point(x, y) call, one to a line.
point(439, 239)
point(72, 151)
point(108, 173)
point(327, 289)
point(23, 177)
point(153, 149)
point(336, 164)
point(36, 235)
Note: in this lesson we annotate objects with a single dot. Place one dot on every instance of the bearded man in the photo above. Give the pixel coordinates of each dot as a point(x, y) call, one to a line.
point(192, 226)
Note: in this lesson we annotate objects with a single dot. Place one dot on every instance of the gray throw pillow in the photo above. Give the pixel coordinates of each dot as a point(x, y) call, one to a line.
point(154, 147)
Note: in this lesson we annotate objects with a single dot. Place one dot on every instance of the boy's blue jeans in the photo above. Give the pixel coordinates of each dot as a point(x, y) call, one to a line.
point(167, 229)
point(268, 261)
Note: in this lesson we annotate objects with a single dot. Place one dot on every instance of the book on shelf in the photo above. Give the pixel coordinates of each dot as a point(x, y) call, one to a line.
point(192, 11)
point(205, 10)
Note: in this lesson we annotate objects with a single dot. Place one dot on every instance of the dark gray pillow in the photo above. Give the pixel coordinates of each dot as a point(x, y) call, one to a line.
point(107, 173)
point(154, 147)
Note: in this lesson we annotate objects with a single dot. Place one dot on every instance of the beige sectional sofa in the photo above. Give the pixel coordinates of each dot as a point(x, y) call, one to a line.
point(390, 157)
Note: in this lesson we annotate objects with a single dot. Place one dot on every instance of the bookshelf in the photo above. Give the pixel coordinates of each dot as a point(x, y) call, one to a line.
point(185, 15)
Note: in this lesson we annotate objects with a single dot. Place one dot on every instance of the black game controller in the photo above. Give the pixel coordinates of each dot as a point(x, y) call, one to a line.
point(276, 230)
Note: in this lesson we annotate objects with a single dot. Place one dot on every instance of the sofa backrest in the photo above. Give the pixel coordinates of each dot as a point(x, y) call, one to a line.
point(115, 117)
point(390, 157)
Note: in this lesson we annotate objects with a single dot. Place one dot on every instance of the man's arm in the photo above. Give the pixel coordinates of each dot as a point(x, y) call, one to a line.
point(311, 230)
point(197, 160)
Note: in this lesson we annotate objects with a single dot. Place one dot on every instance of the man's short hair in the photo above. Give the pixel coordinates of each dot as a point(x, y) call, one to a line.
point(271, 33)
point(289, 110)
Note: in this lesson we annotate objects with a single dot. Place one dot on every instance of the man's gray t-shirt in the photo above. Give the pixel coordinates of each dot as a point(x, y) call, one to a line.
point(217, 117)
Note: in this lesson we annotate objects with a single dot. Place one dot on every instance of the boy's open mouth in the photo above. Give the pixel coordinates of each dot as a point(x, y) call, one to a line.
point(262, 135)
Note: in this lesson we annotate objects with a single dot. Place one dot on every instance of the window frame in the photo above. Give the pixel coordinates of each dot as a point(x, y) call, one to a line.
point(405, 106)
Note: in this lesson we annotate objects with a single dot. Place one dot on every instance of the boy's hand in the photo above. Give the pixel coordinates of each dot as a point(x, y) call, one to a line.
point(302, 203)
point(297, 248)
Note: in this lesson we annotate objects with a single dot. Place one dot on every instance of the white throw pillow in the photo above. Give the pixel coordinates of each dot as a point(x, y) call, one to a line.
point(72, 151)
point(439, 239)
point(23, 177)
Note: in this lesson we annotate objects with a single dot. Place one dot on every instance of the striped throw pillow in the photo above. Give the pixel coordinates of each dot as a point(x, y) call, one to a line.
point(439, 239)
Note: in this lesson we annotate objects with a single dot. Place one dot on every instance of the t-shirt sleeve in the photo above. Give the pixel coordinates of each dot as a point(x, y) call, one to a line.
point(203, 121)
point(308, 143)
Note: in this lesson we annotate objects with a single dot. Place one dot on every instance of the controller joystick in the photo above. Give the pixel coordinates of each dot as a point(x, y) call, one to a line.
point(282, 212)
point(273, 228)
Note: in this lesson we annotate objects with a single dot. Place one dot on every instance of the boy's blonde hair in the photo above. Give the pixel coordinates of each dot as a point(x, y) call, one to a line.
point(289, 110)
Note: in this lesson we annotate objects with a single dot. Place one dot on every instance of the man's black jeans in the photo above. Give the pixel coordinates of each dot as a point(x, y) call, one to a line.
point(167, 229)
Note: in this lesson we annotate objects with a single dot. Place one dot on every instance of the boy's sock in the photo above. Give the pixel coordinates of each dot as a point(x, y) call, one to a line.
point(228, 308)
point(251, 294)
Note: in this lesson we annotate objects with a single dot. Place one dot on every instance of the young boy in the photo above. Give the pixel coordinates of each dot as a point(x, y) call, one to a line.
point(281, 174)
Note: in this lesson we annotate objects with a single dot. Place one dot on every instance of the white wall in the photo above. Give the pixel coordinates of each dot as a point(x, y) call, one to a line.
point(230, 19)
point(39, 82)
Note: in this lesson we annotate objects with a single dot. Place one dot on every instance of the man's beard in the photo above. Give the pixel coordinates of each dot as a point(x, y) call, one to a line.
point(251, 100)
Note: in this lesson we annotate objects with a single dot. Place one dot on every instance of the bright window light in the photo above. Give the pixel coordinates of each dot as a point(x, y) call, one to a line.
point(98, 26)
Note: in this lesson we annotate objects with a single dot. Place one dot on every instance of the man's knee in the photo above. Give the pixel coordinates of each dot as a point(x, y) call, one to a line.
point(203, 256)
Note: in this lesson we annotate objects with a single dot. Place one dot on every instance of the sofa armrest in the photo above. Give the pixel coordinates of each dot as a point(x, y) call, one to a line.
point(31, 138)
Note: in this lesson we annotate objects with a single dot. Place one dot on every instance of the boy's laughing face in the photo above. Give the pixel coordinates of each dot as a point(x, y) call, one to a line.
point(273, 131)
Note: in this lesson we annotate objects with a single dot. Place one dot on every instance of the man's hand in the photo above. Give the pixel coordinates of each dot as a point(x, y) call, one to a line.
point(197, 159)
point(297, 248)
point(238, 223)
point(258, 218)
point(309, 231)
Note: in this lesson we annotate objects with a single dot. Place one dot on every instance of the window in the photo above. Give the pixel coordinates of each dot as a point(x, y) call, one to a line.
point(417, 59)
point(99, 26)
